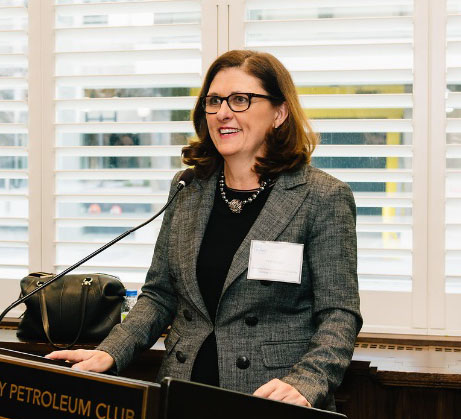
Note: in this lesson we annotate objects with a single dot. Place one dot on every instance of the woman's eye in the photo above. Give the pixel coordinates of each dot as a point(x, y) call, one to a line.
point(239, 100)
point(214, 100)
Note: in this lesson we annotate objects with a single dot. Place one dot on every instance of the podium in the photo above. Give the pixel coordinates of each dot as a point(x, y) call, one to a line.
point(185, 400)
point(35, 387)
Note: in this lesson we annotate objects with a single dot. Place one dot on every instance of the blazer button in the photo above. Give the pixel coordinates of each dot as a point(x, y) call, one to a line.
point(266, 283)
point(181, 357)
point(187, 315)
point(251, 320)
point(242, 362)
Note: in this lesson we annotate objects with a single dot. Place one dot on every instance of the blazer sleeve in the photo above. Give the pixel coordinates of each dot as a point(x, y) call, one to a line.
point(156, 305)
point(332, 259)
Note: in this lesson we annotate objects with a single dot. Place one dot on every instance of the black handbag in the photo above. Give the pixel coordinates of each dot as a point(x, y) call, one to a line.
point(75, 308)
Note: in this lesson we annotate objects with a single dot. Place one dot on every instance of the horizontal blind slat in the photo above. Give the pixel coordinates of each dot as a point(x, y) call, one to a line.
point(369, 25)
point(453, 150)
point(119, 198)
point(384, 227)
point(13, 105)
point(372, 175)
point(127, 32)
point(352, 76)
point(96, 244)
point(13, 129)
point(13, 82)
point(122, 127)
point(13, 174)
point(373, 201)
point(295, 4)
point(15, 35)
point(13, 11)
point(340, 50)
point(119, 151)
point(14, 243)
point(99, 57)
point(453, 125)
point(13, 266)
point(127, 7)
point(453, 74)
point(13, 151)
point(363, 151)
point(362, 125)
point(454, 99)
point(131, 80)
point(113, 104)
point(103, 222)
point(128, 271)
point(132, 174)
point(384, 252)
point(333, 101)
point(11, 60)
point(14, 221)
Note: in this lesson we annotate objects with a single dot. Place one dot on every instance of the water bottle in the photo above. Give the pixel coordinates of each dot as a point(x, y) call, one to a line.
point(131, 297)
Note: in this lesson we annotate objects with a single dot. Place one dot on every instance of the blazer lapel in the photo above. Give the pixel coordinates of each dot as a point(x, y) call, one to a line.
point(197, 207)
point(281, 206)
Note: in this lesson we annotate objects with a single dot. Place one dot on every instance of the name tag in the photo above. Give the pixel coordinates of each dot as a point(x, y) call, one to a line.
point(275, 261)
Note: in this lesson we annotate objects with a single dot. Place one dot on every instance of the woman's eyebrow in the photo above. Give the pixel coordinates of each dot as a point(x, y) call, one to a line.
point(231, 93)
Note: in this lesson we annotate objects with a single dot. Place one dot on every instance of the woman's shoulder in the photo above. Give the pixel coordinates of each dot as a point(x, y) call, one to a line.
point(317, 180)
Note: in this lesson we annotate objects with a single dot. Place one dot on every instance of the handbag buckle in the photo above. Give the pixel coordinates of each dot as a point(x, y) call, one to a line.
point(87, 281)
point(40, 283)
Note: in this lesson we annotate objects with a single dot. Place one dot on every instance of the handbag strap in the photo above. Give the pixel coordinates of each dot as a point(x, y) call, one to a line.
point(44, 312)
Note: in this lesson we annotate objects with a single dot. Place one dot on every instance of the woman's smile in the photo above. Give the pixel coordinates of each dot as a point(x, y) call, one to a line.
point(227, 132)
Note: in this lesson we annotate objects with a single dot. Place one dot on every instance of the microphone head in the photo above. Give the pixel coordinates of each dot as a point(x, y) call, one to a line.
point(186, 177)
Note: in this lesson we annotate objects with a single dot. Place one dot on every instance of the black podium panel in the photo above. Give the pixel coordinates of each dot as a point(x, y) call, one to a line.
point(185, 400)
point(33, 387)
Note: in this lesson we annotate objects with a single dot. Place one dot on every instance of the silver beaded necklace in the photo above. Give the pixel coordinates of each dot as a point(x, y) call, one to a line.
point(236, 205)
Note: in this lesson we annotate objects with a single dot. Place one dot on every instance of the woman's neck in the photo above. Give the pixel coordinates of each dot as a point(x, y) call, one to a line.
point(241, 177)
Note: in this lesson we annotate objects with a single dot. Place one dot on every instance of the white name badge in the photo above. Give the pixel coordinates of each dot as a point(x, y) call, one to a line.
point(275, 261)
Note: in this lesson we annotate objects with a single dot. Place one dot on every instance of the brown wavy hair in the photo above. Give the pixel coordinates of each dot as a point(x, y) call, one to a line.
point(287, 147)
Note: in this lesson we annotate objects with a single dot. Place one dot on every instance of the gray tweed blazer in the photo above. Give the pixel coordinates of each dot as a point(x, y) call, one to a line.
point(302, 333)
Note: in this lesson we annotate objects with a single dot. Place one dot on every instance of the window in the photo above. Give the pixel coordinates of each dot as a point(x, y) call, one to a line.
point(450, 179)
point(124, 79)
point(111, 87)
point(352, 65)
point(14, 141)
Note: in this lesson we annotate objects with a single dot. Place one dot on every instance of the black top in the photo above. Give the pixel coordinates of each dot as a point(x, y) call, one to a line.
point(224, 233)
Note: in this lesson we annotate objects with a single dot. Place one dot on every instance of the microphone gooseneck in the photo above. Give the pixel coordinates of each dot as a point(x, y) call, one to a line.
point(185, 179)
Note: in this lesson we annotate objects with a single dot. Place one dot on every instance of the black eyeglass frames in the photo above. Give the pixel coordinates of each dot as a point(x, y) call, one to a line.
point(237, 102)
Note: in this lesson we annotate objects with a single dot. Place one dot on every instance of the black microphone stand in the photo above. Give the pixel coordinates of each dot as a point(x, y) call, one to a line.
point(182, 183)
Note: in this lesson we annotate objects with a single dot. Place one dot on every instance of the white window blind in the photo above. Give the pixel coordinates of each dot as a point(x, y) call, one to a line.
point(353, 63)
point(14, 190)
point(453, 150)
point(126, 74)
point(95, 100)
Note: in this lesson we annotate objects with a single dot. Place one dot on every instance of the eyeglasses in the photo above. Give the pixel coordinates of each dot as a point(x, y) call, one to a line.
point(237, 102)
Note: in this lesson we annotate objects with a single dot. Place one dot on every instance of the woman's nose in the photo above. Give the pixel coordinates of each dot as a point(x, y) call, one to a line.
point(224, 112)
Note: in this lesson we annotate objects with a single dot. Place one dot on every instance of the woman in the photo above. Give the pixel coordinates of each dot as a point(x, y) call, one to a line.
point(285, 328)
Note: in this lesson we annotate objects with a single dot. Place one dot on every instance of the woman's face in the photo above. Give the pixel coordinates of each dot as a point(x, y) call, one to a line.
point(241, 135)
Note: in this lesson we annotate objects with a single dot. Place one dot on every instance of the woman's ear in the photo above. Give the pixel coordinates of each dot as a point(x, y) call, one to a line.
point(281, 114)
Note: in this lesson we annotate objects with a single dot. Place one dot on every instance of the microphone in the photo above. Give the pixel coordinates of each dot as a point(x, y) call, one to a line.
point(185, 179)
